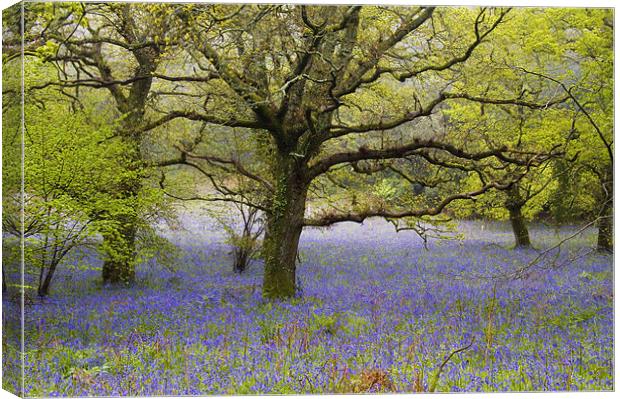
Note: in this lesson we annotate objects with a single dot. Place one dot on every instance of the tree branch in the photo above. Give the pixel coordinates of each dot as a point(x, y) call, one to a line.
point(232, 161)
point(195, 116)
point(608, 144)
point(363, 153)
point(359, 217)
point(356, 77)
point(339, 131)
point(468, 52)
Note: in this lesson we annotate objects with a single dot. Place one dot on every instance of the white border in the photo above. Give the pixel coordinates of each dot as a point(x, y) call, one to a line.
point(517, 3)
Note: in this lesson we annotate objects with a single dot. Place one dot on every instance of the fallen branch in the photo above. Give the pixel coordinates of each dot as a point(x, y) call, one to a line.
point(446, 360)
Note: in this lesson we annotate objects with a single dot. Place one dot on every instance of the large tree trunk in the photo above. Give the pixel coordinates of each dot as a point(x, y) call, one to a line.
point(605, 223)
point(120, 252)
point(519, 228)
point(284, 226)
point(120, 248)
point(514, 204)
point(119, 244)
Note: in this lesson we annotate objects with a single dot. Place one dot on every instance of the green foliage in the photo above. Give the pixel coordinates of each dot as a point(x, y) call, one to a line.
point(74, 363)
point(251, 117)
point(69, 170)
point(73, 166)
point(549, 43)
point(572, 318)
point(355, 324)
point(269, 329)
point(385, 189)
point(325, 323)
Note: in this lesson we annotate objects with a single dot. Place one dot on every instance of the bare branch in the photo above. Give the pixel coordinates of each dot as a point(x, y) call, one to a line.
point(446, 360)
point(232, 161)
point(195, 116)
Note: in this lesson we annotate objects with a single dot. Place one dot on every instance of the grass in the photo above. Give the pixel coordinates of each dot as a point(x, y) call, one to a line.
point(378, 314)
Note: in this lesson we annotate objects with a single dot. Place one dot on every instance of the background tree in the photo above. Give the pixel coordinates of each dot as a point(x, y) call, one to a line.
point(593, 97)
point(234, 194)
point(246, 243)
point(118, 48)
point(538, 45)
point(69, 170)
point(525, 129)
point(588, 83)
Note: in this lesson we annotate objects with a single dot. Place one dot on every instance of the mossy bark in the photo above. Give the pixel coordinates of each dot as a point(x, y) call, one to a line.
point(514, 204)
point(519, 228)
point(284, 226)
point(119, 266)
point(120, 245)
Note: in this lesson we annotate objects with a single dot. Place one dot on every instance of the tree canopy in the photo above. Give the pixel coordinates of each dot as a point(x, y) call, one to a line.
point(315, 115)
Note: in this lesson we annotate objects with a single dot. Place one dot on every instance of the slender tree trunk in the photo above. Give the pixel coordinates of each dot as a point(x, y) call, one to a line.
point(247, 243)
point(43, 289)
point(241, 260)
point(605, 224)
point(44, 285)
point(243, 248)
point(605, 230)
point(284, 226)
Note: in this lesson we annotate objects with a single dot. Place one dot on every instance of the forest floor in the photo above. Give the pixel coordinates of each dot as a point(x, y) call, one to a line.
point(376, 312)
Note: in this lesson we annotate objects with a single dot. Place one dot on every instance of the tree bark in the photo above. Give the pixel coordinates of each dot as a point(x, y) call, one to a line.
point(605, 231)
point(519, 228)
point(242, 257)
point(514, 204)
point(119, 245)
point(284, 226)
point(44, 286)
point(119, 265)
point(120, 248)
point(241, 261)
point(605, 223)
